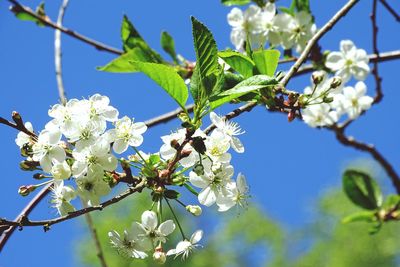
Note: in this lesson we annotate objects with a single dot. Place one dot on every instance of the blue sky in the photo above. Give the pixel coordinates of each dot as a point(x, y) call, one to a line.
point(288, 165)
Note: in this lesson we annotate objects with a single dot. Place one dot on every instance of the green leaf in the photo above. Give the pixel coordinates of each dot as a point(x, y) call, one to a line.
point(391, 202)
point(266, 61)
point(166, 77)
point(123, 63)
point(251, 84)
point(22, 15)
point(206, 50)
point(303, 5)
point(239, 62)
point(286, 10)
point(361, 216)
point(362, 190)
point(132, 39)
point(168, 44)
point(235, 2)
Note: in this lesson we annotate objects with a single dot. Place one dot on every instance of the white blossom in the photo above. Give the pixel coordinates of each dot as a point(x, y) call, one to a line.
point(217, 145)
point(23, 138)
point(94, 160)
point(127, 246)
point(212, 182)
point(266, 28)
point(229, 129)
point(185, 247)
point(319, 115)
point(61, 170)
point(126, 133)
point(46, 149)
point(167, 152)
point(236, 194)
point(295, 30)
point(243, 24)
point(354, 101)
point(91, 188)
point(349, 62)
point(149, 234)
point(62, 195)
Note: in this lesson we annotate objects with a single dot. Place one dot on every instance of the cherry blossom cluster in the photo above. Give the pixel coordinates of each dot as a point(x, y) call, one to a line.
point(262, 26)
point(76, 144)
point(77, 152)
point(328, 99)
point(204, 163)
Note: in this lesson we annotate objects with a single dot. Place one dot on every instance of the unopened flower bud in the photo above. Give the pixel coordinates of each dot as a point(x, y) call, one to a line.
point(198, 169)
point(318, 77)
point(327, 99)
point(185, 153)
point(61, 170)
point(26, 150)
point(336, 82)
point(16, 117)
point(26, 190)
point(159, 257)
point(174, 143)
point(27, 165)
point(163, 174)
point(291, 116)
point(194, 210)
point(39, 176)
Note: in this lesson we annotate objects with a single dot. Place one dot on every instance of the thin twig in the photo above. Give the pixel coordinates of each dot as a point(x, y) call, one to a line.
point(47, 22)
point(164, 118)
point(96, 240)
point(58, 53)
point(391, 10)
point(375, 72)
point(5, 235)
point(74, 214)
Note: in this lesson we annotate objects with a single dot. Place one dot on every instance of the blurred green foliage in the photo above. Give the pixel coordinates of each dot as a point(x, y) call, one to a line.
point(251, 238)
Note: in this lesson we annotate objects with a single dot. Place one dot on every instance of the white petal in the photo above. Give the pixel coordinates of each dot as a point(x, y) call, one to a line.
point(139, 127)
point(136, 140)
point(109, 163)
point(196, 236)
point(167, 152)
point(346, 46)
point(241, 183)
point(198, 181)
point(237, 145)
point(167, 227)
point(335, 61)
point(235, 17)
point(207, 196)
point(149, 220)
point(120, 146)
point(57, 153)
point(216, 120)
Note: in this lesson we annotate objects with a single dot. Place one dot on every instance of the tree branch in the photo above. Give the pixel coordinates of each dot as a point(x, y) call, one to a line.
point(24, 221)
point(96, 240)
point(58, 53)
point(47, 22)
point(391, 10)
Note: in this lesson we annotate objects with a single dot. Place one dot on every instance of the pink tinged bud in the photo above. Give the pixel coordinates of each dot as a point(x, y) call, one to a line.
point(194, 210)
point(26, 190)
point(159, 257)
point(317, 77)
point(291, 116)
point(336, 82)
